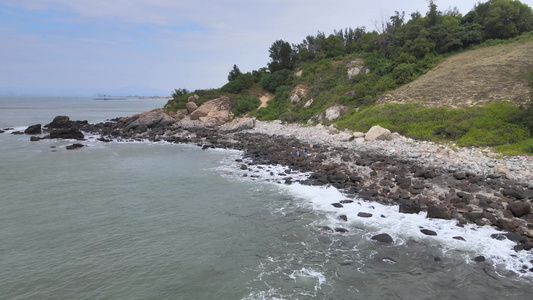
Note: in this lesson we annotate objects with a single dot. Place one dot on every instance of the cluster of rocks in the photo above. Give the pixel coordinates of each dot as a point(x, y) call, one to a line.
point(447, 183)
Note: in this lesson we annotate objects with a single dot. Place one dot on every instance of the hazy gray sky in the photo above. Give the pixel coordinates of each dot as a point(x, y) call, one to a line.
point(165, 44)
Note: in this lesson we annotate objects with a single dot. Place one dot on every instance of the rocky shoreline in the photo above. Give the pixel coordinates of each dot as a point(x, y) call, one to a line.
point(468, 185)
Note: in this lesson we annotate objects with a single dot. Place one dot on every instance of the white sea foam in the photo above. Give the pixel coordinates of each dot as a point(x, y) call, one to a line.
point(404, 227)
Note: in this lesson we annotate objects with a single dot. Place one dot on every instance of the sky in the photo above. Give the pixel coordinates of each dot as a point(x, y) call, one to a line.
point(155, 46)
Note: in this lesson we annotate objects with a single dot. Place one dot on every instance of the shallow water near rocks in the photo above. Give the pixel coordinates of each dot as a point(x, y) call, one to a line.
point(166, 221)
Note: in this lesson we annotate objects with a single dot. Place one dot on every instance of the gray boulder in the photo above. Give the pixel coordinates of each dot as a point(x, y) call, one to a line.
point(34, 129)
point(519, 208)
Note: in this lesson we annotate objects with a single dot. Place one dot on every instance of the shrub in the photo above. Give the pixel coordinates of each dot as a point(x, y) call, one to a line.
point(241, 105)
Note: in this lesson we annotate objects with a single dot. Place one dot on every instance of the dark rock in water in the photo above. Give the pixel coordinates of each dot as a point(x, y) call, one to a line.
point(428, 232)
point(519, 208)
point(34, 129)
point(409, 207)
point(479, 259)
point(17, 132)
point(337, 205)
point(383, 238)
point(59, 122)
point(435, 212)
point(74, 146)
point(437, 259)
point(460, 238)
point(325, 228)
point(515, 237)
point(498, 236)
point(346, 201)
point(364, 215)
point(244, 167)
point(34, 138)
point(102, 139)
point(66, 133)
point(2, 131)
point(341, 230)
point(344, 218)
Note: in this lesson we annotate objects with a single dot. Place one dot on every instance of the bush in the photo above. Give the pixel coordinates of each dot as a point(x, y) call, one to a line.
point(271, 82)
point(244, 104)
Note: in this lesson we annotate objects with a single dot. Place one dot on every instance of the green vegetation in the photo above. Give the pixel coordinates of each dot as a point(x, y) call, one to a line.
point(489, 125)
point(355, 67)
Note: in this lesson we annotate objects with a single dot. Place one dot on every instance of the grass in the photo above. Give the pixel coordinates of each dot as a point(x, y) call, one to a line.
point(491, 125)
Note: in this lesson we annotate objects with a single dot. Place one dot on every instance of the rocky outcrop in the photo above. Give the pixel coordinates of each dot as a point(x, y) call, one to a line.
point(148, 120)
point(63, 128)
point(212, 113)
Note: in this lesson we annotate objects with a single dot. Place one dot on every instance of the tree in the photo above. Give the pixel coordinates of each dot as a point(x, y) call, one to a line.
point(333, 46)
point(281, 55)
point(234, 73)
point(503, 19)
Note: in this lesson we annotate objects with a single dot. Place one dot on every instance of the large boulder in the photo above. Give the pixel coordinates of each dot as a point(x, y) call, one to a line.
point(66, 133)
point(238, 125)
point(212, 113)
point(191, 107)
point(334, 112)
point(60, 122)
point(378, 133)
point(33, 129)
point(151, 119)
point(519, 208)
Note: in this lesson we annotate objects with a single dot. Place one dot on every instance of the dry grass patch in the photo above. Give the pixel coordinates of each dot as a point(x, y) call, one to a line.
point(477, 77)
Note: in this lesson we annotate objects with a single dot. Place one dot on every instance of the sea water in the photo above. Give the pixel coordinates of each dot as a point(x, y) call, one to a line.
point(148, 220)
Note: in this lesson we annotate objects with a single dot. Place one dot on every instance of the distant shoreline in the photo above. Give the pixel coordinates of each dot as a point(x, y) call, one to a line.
point(132, 98)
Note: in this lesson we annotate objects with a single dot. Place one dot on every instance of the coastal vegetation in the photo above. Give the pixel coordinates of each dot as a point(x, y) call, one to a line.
point(374, 75)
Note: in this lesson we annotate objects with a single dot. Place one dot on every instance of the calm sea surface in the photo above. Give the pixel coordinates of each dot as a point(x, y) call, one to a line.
point(166, 221)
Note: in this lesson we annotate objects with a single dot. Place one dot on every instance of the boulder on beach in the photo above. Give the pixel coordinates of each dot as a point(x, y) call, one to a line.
point(383, 238)
point(238, 125)
point(378, 133)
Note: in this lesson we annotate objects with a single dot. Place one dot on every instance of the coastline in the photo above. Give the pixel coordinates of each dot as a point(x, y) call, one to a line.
point(464, 184)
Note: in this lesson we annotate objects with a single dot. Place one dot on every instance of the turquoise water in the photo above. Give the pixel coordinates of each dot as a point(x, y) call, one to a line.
point(166, 221)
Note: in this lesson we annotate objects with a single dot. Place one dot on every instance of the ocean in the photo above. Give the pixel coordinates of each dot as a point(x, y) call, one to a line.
point(155, 220)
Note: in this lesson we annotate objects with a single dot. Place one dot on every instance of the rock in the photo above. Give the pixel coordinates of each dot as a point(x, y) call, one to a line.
point(344, 218)
point(460, 238)
point(358, 135)
point(308, 103)
point(513, 193)
point(74, 146)
point(435, 212)
point(368, 195)
point(479, 259)
point(409, 207)
point(156, 118)
point(296, 98)
point(364, 215)
point(337, 205)
point(59, 122)
point(428, 232)
point(238, 125)
point(334, 112)
point(66, 133)
point(212, 113)
point(341, 230)
point(34, 138)
point(378, 133)
point(191, 107)
point(519, 208)
point(33, 129)
point(383, 238)
point(353, 71)
point(459, 175)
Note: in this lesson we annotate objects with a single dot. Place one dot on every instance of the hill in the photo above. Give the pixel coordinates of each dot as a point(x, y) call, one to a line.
point(477, 77)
